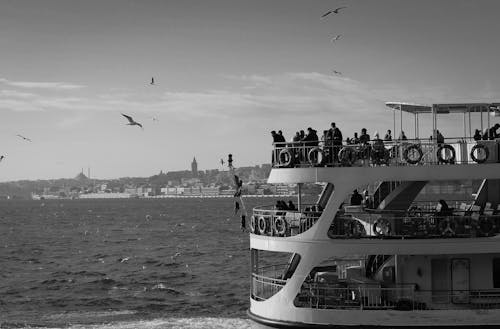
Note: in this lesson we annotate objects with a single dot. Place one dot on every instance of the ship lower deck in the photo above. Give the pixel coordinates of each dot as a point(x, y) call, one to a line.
point(387, 319)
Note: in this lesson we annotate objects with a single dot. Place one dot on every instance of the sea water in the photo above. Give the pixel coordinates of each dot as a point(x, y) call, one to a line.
point(124, 263)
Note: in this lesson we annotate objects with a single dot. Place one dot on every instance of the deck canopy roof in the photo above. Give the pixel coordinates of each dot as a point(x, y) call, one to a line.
point(445, 108)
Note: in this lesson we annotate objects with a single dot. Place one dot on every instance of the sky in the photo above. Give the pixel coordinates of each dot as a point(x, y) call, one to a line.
point(227, 72)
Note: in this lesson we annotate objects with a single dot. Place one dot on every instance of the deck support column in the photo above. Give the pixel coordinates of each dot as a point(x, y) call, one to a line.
point(299, 197)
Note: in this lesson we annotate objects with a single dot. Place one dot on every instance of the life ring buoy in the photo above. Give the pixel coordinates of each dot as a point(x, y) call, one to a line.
point(409, 154)
point(382, 227)
point(447, 227)
point(280, 226)
point(285, 157)
point(440, 154)
point(262, 225)
point(355, 229)
point(479, 148)
point(347, 156)
point(315, 156)
point(253, 224)
point(486, 227)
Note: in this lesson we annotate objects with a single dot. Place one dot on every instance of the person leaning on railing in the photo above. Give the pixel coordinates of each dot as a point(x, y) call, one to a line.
point(388, 136)
point(477, 135)
point(378, 153)
point(492, 132)
point(439, 137)
point(277, 139)
point(281, 139)
point(310, 140)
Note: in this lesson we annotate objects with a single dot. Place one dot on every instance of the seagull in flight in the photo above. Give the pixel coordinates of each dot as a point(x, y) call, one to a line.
point(131, 121)
point(25, 138)
point(2, 157)
point(335, 38)
point(337, 72)
point(152, 81)
point(333, 11)
point(221, 161)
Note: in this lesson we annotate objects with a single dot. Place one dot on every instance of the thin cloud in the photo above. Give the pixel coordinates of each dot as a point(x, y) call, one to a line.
point(296, 95)
point(41, 85)
point(16, 94)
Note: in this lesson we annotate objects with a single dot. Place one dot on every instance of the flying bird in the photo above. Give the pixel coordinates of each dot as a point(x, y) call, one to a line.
point(155, 119)
point(2, 157)
point(335, 38)
point(221, 161)
point(337, 72)
point(152, 81)
point(25, 138)
point(131, 121)
point(333, 11)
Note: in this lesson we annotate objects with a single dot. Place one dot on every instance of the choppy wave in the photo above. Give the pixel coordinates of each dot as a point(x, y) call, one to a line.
point(167, 323)
point(102, 261)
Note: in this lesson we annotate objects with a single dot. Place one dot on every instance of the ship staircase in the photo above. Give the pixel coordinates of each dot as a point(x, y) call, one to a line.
point(383, 189)
point(400, 197)
point(488, 191)
point(391, 195)
point(374, 263)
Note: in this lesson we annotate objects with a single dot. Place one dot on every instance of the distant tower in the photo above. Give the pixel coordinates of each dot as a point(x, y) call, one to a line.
point(194, 168)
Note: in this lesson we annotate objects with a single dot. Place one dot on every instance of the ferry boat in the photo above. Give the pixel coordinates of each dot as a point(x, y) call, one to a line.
point(395, 260)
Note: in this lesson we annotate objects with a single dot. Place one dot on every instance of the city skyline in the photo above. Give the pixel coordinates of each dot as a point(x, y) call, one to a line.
point(226, 73)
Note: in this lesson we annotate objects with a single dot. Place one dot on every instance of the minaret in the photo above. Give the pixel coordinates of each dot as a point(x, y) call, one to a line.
point(194, 167)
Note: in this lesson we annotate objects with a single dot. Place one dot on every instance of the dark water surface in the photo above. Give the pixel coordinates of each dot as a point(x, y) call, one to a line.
point(159, 263)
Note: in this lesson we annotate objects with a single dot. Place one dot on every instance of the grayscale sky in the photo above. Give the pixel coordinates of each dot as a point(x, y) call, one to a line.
point(228, 72)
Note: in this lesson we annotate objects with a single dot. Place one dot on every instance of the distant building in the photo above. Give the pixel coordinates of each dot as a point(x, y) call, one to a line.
point(194, 168)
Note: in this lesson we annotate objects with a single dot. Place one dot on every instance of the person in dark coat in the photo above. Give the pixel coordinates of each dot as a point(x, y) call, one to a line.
point(356, 198)
point(443, 209)
point(388, 136)
point(311, 138)
point(275, 137)
point(355, 139)
point(477, 135)
point(492, 132)
point(364, 138)
point(281, 139)
point(439, 137)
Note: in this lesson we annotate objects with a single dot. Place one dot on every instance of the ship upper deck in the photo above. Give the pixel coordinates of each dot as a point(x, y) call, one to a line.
point(436, 150)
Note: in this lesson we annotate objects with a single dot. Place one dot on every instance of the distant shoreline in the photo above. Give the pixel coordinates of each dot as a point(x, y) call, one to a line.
point(107, 196)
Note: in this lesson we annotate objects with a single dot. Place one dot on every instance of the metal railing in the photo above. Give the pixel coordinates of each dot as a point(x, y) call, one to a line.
point(378, 152)
point(267, 220)
point(264, 287)
point(403, 225)
point(274, 271)
point(404, 298)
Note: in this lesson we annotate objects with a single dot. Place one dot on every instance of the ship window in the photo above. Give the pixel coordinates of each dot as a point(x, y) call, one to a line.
point(496, 272)
point(270, 271)
point(330, 284)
